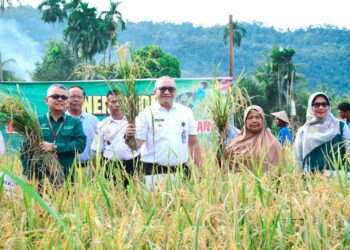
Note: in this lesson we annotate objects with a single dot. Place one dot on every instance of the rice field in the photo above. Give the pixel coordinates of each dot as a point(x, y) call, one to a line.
point(215, 209)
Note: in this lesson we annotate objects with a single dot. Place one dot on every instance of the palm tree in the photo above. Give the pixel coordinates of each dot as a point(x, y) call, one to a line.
point(5, 74)
point(112, 19)
point(86, 32)
point(53, 11)
point(283, 68)
point(238, 34)
point(71, 6)
point(277, 75)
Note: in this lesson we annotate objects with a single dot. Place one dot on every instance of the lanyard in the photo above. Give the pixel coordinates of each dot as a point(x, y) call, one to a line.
point(52, 130)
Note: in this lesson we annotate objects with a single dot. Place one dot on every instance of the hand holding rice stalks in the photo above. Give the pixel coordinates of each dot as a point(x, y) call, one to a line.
point(222, 106)
point(16, 110)
point(128, 67)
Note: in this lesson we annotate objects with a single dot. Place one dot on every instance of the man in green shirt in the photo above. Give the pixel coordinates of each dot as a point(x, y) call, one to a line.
point(63, 134)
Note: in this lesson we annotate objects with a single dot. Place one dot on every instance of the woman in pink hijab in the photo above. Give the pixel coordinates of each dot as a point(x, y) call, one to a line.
point(255, 144)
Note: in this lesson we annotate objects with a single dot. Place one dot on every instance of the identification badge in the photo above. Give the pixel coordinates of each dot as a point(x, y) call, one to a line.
point(159, 122)
point(183, 134)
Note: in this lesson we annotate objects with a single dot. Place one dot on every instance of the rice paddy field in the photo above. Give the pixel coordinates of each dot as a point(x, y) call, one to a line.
point(215, 209)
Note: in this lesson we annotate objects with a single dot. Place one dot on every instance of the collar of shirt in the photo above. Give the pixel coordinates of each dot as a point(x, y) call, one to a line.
point(159, 107)
point(59, 119)
point(110, 119)
point(82, 115)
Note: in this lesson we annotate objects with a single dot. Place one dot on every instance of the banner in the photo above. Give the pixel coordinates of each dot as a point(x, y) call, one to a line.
point(193, 93)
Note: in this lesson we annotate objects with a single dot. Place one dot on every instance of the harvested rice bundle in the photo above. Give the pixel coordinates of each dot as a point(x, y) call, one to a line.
point(15, 109)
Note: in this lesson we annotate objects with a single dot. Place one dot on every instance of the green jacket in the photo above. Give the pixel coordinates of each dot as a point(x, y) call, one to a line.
point(70, 139)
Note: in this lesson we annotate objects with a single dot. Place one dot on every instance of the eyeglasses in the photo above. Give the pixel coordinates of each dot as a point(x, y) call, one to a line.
point(170, 89)
point(56, 97)
point(319, 104)
point(79, 97)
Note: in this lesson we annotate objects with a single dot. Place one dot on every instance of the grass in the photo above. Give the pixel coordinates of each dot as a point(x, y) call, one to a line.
point(218, 209)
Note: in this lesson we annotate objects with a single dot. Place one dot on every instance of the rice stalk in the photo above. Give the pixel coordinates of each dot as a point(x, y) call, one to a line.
point(15, 110)
point(220, 210)
point(222, 106)
point(128, 67)
point(35, 196)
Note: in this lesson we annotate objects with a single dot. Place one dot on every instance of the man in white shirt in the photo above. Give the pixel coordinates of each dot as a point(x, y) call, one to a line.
point(109, 141)
point(76, 98)
point(166, 132)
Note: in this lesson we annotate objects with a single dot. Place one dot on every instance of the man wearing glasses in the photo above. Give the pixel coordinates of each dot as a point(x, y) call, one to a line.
point(76, 98)
point(166, 132)
point(63, 135)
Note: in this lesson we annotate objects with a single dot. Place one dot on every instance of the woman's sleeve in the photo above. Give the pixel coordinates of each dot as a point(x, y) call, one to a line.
point(298, 148)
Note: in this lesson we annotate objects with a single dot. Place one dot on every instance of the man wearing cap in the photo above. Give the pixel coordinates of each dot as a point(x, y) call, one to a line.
point(166, 131)
point(282, 122)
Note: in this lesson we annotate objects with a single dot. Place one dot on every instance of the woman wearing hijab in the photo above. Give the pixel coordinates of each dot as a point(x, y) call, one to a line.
point(255, 143)
point(322, 137)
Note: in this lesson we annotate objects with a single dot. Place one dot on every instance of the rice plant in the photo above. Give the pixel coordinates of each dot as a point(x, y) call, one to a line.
point(15, 110)
point(217, 209)
point(128, 68)
point(222, 106)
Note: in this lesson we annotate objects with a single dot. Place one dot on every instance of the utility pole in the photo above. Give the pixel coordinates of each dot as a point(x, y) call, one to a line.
point(231, 73)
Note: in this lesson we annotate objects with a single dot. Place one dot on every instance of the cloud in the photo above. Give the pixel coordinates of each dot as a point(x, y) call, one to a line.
point(16, 44)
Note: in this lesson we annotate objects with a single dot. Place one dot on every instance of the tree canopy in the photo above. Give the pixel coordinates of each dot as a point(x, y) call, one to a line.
point(57, 64)
point(158, 63)
point(322, 52)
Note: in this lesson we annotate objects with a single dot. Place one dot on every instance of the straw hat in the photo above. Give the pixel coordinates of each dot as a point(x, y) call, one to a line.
point(282, 115)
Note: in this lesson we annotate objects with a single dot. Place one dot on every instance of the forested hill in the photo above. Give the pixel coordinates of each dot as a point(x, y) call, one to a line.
point(323, 53)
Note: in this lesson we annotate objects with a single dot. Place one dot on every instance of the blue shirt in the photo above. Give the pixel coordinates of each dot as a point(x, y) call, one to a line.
point(89, 122)
point(283, 134)
point(348, 123)
point(231, 134)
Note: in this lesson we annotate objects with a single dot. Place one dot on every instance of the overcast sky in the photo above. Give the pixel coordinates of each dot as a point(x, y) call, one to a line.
point(278, 13)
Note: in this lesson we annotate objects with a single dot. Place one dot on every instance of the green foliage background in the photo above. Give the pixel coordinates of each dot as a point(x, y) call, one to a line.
point(58, 63)
point(323, 52)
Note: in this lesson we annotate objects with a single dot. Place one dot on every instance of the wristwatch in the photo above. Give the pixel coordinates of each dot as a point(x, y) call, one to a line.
point(54, 146)
point(126, 140)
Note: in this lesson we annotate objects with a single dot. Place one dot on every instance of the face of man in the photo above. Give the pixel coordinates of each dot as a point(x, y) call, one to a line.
point(57, 100)
point(279, 122)
point(254, 122)
point(114, 107)
point(165, 93)
point(320, 107)
point(76, 99)
point(344, 114)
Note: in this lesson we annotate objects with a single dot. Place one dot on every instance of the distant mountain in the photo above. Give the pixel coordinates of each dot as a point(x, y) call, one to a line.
point(323, 53)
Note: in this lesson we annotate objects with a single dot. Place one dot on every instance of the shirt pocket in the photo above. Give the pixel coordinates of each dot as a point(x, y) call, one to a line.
point(46, 132)
point(157, 124)
point(67, 133)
